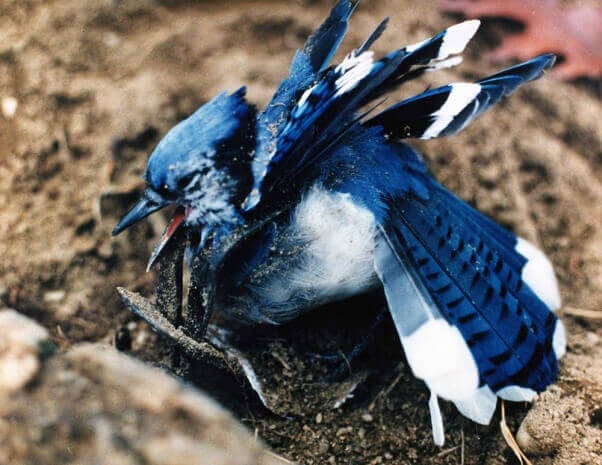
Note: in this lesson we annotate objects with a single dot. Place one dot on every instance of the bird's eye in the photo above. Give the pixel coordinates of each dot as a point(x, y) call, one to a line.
point(163, 191)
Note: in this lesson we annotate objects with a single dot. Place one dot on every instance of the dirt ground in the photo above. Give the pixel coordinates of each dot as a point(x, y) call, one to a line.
point(97, 83)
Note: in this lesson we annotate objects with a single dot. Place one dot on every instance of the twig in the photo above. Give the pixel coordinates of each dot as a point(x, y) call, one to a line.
point(280, 457)
point(394, 383)
point(385, 392)
point(278, 357)
point(509, 438)
point(462, 449)
point(346, 360)
point(583, 312)
point(447, 451)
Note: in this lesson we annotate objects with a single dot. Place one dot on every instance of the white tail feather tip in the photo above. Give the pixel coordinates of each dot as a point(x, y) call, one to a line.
point(539, 275)
point(479, 407)
point(559, 340)
point(439, 355)
point(457, 37)
point(517, 394)
point(436, 421)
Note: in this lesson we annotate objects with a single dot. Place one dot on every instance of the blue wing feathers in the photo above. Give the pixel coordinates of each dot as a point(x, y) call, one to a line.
point(292, 135)
point(323, 44)
point(374, 36)
point(320, 118)
point(504, 242)
point(307, 63)
point(527, 71)
point(426, 56)
point(329, 106)
point(413, 117)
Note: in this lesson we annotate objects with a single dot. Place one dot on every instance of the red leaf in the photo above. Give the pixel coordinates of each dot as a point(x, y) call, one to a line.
point(573, 32)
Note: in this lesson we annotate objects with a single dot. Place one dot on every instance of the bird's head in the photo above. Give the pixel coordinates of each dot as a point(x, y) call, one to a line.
point(202, 165)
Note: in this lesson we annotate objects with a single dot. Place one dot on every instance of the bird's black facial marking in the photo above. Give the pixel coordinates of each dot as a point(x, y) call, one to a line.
point(185, 181)
point(165, 192)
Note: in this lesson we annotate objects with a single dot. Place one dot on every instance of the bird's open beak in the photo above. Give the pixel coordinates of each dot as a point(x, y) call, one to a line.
point(177, 219)
point(149, 203)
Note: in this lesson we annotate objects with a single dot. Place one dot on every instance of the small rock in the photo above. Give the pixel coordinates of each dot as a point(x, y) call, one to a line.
point(531, 440)
point(9, 106)
point(123, 339)
point(324, 447)
point(109, 408)
point(83, 244)
point(141, 338)
point(368, 418)
point(20, 342)
point(319, 418)
point(111, 39)
point(79, 125)
point(106, 249)
point(54, 296)
point(526, 442)
point(345, 430)
point(592, 338)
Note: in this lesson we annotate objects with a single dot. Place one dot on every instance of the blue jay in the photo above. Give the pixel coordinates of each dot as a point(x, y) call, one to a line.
point(339, 205)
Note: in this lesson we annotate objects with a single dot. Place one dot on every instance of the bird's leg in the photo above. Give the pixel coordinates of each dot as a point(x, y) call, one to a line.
point(204, 272)
point(166, 314)
point(153, 316)
point(343, 360)
point(169, 279)
point(345, 366)
point(200, 297)
point(165, 317)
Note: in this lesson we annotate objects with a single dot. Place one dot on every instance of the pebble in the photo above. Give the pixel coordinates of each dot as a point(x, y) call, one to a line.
point(20, 342)
point(54, 296)
point(368, 418)
point(319, 418)
point(592, 338)
point(9, 106)
point(106, 249)
point(344, 430)
point(111, 39)
point(324, 447)
point(141, 338)
point(526, 441)
point(532, 442)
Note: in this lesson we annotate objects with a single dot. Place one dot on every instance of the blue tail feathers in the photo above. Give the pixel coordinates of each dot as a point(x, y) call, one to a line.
point(470, 273)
